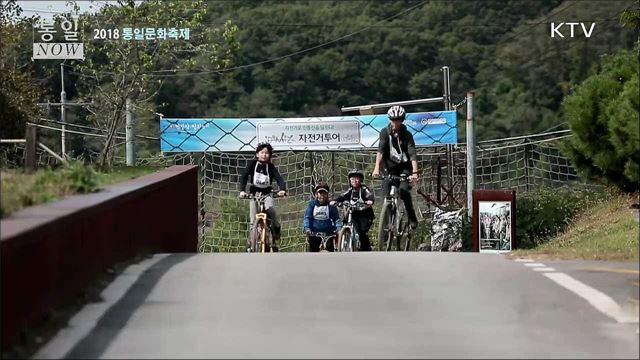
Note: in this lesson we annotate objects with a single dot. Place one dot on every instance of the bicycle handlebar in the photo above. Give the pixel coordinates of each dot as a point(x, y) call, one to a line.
point(273, 194)
point(358, 206)
point(323, 235)
point(402, 177)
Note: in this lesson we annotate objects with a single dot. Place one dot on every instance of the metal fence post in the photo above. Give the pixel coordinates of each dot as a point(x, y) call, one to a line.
point(448, 148)
point(314, 175)
point(471, 154)
point(439, 181)
point(199, 158)
point(31, 138)
point(333, 170)
point(527, 160)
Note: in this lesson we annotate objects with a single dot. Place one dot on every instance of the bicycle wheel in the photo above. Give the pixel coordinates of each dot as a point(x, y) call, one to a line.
point(391, 226)
point(355, 242)
point(323, 245)
point(407, 242)
point(268, 239)
point(403, 229)
point(345, 240)
point(256, 235)
point(384, 233)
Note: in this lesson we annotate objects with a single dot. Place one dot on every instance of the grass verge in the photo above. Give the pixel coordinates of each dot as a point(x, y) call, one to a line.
point(606, 231)
point(20, 190)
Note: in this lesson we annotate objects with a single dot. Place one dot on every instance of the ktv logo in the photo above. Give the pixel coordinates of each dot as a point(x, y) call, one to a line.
point(556, 29)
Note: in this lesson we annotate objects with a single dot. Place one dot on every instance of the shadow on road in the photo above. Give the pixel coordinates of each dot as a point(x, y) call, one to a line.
point(107, 328)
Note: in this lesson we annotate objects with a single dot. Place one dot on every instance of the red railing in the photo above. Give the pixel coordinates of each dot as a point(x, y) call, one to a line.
point(51, 252)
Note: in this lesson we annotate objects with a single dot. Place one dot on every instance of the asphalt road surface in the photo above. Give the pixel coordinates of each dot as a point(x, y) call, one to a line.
point(358, 305)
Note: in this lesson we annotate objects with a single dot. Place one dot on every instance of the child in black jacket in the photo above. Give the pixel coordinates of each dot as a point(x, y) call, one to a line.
point(362, 219)
point(260, 173)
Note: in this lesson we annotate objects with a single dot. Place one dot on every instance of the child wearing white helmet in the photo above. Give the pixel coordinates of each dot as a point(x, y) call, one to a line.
point(321, 216)
point(359, 193)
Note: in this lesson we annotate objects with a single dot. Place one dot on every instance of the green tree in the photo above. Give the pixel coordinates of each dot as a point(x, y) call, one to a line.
point(18, 92)
point(522, 90)
point(603, 115)
point(631, 18)
point(117, 70)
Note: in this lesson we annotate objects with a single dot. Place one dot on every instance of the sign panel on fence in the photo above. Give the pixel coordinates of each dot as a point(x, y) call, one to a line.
point(313, 133)
point(494, 226)
point(305, 135)
point(494, 220)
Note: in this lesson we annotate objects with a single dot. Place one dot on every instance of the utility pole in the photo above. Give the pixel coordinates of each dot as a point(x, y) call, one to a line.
point(63, 117)
point(63, 112)
point(130, 135)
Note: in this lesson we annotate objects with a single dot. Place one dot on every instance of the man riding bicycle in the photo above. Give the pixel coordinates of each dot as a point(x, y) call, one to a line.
point(260, 173)
point(397, 149)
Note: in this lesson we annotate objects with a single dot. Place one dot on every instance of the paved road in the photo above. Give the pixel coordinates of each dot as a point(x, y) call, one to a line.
point(364, 305)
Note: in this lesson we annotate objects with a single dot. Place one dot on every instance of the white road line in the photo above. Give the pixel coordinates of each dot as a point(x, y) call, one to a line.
point(543, 269)
point(84, 321)
point(535, 265)
point(597, 299)
point(524, 260)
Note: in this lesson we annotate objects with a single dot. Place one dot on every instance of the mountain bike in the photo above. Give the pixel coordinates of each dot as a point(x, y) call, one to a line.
point(394, 224)
point(324, 239)
point(348, 239)
point(261, 236)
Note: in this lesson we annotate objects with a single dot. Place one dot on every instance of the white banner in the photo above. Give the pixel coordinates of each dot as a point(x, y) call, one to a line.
point(307, 135)
point(58, 51)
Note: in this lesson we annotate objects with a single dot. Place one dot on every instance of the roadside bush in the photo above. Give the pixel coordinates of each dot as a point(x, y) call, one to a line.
point(79, 177)
point(544, 212)
point(602, 113)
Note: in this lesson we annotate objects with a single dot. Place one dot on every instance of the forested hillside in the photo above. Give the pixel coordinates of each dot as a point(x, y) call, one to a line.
point(501, 49)
point(310, 58)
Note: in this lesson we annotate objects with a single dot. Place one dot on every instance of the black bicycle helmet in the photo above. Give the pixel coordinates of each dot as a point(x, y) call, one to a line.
point(356, 172)
point(263, 145)
point(321, 185)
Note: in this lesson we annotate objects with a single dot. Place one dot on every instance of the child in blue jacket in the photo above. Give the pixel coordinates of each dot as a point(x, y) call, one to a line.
point(321, 217)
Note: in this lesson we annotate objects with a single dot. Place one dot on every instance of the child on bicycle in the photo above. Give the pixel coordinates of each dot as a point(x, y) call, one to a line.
point(260, 173)
point(320, 216)
point(362, 219)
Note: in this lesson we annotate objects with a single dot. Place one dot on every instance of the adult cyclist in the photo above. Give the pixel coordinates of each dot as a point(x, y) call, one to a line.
point(397, 153)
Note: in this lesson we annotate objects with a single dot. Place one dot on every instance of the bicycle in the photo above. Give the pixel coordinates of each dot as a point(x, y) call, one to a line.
point(393, 224)
point(348, 231)
point(324, 238)
point(261, 236)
